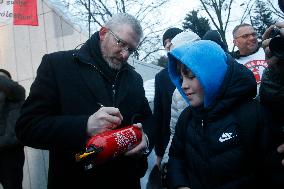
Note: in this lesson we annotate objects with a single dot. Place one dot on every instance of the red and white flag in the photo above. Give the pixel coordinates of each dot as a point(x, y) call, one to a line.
point(18, 12)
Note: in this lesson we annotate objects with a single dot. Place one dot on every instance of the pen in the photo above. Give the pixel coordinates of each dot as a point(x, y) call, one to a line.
point(100, 104)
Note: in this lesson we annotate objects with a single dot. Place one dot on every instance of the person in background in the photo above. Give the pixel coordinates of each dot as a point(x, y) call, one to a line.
point(272, 84)
point(164, 89)
point(12, 96)
point(215, 36)
point(80, 93)
point(207, 149)
point(178, 103)
point(249, 54)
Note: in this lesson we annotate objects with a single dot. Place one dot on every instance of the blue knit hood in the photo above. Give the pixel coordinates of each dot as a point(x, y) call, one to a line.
point(207, 61)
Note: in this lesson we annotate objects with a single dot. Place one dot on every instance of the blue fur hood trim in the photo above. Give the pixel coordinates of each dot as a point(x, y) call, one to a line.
point(208, 62)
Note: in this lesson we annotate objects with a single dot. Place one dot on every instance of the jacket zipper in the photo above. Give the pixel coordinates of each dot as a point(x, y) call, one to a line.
point(113, 85)
point(113, 94)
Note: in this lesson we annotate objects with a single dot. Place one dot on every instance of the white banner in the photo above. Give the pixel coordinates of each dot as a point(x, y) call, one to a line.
point(6, 12)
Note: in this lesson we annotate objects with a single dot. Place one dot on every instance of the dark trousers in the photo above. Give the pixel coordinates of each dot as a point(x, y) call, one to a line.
point(155, 179)
point(11, 167)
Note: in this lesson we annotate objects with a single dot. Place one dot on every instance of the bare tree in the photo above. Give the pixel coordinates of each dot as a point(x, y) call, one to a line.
point(275, 11)
point(147, 12)
point(219, 12)
point(247, 12)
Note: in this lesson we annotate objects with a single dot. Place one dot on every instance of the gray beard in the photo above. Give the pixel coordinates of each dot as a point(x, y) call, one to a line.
point(112, 65)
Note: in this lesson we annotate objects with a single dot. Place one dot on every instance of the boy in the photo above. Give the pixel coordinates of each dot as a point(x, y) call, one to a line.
point(207, 149)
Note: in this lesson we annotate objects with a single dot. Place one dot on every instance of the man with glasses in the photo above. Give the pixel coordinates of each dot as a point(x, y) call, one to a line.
point(80, 93)
point(249, 54)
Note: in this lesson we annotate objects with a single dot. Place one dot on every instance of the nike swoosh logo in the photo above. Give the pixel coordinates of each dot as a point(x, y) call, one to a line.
point(225, 136)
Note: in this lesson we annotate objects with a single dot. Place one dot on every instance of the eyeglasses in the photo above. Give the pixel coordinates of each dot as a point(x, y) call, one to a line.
point(122, 44)
point(246, 36)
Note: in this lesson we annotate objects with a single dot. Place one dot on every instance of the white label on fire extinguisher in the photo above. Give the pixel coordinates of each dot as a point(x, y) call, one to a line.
point(125, 140)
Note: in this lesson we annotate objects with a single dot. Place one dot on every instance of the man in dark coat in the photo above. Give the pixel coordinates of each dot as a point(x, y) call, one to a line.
point(81, 93)
point(12, 96)
point(164, 89)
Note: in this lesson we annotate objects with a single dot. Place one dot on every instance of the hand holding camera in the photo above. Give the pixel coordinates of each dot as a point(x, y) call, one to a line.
point(273, 43)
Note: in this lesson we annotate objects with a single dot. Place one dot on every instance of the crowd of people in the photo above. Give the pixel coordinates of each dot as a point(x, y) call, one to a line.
point(216, 121)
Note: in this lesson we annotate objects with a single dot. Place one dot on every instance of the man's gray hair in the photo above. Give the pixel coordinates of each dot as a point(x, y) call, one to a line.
point(124, 18)
point(237, 28)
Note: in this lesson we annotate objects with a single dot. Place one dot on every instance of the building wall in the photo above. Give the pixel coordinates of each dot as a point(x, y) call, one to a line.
point(22, 47)
point(21, 50)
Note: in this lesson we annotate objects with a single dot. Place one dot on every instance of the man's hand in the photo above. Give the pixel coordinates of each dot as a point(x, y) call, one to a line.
point(142, 147)
point(106, 118)
point(266, 40)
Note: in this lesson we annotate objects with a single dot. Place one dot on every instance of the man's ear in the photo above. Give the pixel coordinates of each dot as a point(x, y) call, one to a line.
point(235, 42)
point(102, 33)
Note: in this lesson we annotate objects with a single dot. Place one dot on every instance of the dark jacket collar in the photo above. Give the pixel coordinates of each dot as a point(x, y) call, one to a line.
point(238, 86)
point(91, 53)
point(101, 85)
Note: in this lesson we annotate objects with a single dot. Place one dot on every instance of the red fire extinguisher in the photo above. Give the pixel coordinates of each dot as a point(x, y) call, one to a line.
point(108, 145)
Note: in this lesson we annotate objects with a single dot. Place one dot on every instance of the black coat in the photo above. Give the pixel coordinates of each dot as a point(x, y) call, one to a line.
point(207, 150)
point(271, 90)
point(68, 87)
point(12, 96)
